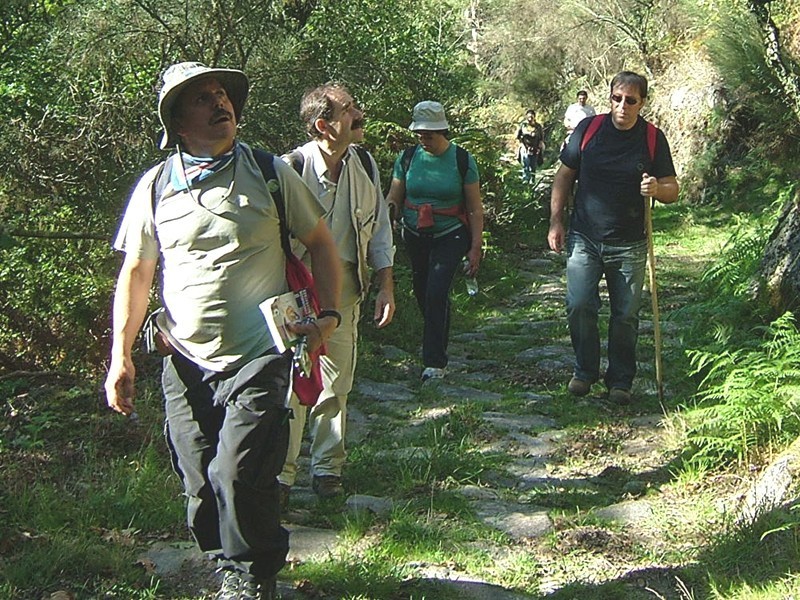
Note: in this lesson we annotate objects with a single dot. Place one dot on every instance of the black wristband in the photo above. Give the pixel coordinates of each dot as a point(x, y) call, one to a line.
point(329, 312)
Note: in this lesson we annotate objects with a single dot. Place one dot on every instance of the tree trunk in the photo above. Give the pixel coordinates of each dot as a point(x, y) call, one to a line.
point(774, 53)
point(775, 487)
point(779, 281)
point(779, 273)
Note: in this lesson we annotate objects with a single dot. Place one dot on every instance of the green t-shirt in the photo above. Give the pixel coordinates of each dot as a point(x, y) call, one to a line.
point(434, 180)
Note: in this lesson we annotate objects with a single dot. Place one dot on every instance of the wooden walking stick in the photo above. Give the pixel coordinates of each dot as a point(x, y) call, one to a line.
point(651, 269)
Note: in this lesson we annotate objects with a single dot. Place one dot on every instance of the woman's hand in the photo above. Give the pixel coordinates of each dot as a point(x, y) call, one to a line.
point(474, 258)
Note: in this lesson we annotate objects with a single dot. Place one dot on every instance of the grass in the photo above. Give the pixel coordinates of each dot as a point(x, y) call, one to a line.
point(84, 492)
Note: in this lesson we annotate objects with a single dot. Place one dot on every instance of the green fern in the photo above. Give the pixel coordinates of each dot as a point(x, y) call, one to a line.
point(739, 259)
point(748, 398)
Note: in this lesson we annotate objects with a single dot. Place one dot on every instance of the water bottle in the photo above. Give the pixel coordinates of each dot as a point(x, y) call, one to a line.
point(472, 283)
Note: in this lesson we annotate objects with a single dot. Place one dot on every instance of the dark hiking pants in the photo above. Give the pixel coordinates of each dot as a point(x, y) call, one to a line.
point(228, 433)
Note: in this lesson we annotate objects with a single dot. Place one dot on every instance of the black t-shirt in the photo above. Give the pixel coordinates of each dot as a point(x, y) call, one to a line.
point(608, 205)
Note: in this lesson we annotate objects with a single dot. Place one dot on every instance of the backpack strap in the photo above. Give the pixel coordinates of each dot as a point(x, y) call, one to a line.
point(408, 154)
point(462, 159)
point(588, 134)
point(160, 182)
point(363, 156)
point(265, 161)
point(652, 134)
point(297, 160)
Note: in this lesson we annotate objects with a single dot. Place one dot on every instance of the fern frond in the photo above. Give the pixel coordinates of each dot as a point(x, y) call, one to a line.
point(749, 397)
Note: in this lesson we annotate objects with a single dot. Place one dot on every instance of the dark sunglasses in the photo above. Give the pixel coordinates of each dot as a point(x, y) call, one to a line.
point(628, 100)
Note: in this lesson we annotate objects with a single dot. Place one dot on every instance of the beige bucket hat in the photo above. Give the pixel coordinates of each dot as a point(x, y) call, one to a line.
point(175, 79)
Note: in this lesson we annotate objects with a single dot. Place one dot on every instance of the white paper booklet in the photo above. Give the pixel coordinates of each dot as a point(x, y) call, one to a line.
point(291, 307)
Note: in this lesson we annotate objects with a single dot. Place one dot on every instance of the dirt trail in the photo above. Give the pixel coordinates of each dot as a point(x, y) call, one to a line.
point(631, 522)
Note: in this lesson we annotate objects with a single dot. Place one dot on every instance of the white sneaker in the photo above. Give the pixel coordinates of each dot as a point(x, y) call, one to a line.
point(432, 373)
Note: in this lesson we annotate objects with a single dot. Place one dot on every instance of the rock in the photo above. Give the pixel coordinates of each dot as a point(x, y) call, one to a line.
point(626, 513)
point(776, 484)
point(467, 393)
point(531, 524)
point(306, 543)
point(384, 392)
point(381, 507)
point(518, 422)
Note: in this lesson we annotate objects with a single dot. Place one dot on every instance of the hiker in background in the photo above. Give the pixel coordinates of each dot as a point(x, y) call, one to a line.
point(575, 113)
point(607, 234)
point(436, 188)
point(530, 153)
point(217, 232)
point(345, 179)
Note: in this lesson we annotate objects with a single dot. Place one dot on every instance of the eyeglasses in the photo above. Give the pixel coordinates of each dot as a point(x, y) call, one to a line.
point(630, 101)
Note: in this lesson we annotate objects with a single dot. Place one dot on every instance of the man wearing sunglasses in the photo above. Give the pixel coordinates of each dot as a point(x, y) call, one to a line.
point(607, 231)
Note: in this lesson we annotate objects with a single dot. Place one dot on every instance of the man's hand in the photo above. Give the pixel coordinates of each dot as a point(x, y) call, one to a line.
point(384, 309)
point(119, 385)
point(555, 237)
point(663, 189)
point(317, 332)
point(649, 186)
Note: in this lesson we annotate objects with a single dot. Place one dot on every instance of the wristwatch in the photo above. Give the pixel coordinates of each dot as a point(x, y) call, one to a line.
point(329, 312)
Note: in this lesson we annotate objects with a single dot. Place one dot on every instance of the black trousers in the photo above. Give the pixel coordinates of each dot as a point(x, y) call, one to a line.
point(228, 434)
point(434, 263)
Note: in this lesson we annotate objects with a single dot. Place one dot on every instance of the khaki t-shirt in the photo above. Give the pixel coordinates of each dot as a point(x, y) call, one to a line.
point(222, 256)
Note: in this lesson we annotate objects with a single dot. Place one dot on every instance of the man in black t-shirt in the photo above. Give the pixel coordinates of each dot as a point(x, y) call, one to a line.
point(607, 235)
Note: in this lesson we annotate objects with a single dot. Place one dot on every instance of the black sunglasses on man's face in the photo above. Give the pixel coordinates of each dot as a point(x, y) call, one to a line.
point(630, 101)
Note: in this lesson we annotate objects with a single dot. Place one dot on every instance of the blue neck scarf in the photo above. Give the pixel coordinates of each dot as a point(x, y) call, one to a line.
point(189, 170)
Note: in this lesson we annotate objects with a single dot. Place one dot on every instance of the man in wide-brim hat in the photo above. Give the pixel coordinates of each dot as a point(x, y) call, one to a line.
point(209, 216)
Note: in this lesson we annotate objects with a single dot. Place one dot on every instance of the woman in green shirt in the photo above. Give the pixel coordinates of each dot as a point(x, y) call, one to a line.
point(436, 189)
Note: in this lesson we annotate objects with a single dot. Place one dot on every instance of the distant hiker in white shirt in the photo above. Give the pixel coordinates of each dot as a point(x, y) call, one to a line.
point(577, 112)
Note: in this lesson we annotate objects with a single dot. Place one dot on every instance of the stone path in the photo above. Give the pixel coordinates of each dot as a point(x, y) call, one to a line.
point(545, 458)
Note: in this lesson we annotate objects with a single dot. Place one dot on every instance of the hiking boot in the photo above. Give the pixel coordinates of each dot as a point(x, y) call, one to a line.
point(578, 387)
point(230, 586)
point(619, 396)
point(283, 496)
point(432, 373)
point(258, 590)
point(235, 587)
point(327, 486)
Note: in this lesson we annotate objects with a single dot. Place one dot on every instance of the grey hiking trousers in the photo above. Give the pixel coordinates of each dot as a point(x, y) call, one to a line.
point(227, 434)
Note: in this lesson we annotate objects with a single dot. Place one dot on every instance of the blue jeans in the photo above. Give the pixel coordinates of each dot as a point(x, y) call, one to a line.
point(528, 160)
point(623, 267)
point(434, 261)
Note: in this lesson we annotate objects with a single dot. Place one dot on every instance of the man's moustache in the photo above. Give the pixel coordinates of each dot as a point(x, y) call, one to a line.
point(357, 124)
point(219, 114)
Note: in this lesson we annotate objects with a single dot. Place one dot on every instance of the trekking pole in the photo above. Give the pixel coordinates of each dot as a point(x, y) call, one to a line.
point(651, 269)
